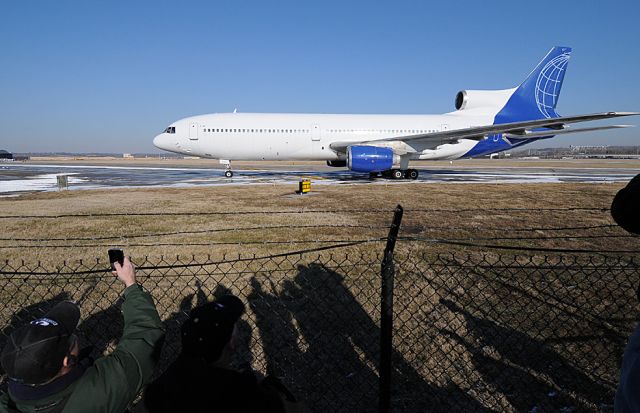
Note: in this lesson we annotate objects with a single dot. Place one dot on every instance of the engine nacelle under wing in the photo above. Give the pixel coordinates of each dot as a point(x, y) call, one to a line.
point(370, 158)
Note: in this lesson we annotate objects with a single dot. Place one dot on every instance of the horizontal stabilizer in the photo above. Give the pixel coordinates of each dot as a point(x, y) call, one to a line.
point(564, 131)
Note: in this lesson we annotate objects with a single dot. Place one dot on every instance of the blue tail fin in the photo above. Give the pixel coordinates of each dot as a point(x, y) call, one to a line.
point(537, 96)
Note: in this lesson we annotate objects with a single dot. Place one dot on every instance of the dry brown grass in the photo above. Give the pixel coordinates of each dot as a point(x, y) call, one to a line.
point(466, 337)
point(482, 217)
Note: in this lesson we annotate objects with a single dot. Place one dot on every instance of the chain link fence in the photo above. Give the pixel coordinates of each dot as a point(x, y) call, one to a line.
point(310, 320)
point(512, 332)
point(472, 331)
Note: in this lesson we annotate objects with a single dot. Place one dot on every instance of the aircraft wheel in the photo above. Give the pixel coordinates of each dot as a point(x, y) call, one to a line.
point(373, 175)
point(228, 173)
point(397, 174)
point(412, 174)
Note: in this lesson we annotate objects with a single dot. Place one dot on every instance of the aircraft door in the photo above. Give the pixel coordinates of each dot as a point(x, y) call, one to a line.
point(316, 138)
point(193, 130)
point(315, 133)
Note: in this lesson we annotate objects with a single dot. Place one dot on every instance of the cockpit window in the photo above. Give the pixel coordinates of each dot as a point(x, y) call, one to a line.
point(170, 129)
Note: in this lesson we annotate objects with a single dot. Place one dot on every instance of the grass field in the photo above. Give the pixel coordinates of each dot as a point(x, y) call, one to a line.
point(472, 211)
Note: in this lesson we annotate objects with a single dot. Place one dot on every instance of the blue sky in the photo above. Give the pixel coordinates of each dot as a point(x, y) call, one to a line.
point(106, 76)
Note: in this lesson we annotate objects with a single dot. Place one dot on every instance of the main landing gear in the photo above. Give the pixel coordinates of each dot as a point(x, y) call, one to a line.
point(397, 174)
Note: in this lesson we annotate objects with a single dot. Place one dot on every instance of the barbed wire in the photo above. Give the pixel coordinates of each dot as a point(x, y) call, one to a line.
point(559, 266)
point(310, 211)
point(516, 248)
point(193, 244)
point(213, 243)
point(337, 226)
point(530, 229)
point(597, 209)
point(194, 213)
point(201, 264)
point(543, 238)
point(206, 231)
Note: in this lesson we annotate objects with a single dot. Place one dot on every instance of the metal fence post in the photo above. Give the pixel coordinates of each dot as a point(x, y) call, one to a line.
point(386, 313)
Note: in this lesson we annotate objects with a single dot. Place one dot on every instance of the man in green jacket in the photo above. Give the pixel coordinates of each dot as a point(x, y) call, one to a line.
point(45, 375)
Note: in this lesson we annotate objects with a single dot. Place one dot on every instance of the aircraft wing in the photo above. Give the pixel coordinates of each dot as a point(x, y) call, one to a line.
point(523, 130)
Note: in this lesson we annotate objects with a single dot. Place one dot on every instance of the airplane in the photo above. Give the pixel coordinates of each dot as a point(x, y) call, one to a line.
point(484, 122)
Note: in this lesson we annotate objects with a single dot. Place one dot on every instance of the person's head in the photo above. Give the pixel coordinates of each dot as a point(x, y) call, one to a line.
point(210, 332)
point(44, 349)
point(625, 208)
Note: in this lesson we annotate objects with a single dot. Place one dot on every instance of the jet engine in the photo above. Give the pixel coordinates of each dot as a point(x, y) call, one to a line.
point(473, 99)
point(370, 158)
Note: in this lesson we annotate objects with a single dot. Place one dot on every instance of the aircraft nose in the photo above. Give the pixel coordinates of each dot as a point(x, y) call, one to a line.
point(160, 141)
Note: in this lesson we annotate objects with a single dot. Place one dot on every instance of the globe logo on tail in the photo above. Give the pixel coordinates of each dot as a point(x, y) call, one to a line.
point(548, 85)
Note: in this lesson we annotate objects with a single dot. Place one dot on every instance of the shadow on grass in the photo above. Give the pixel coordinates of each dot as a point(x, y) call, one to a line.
point(318, 338)
point(523, 369)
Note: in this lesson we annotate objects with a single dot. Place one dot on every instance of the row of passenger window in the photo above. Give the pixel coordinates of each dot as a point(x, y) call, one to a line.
point(381, 130)
point(225, 130)
point(256, 130)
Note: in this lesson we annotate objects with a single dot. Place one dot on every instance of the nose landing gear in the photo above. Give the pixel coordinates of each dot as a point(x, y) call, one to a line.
point(227, 164)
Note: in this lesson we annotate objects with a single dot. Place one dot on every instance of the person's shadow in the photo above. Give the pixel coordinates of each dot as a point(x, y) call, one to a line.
point(243, 356)
point(319, 338)
point(173, 324)
point(527, 372)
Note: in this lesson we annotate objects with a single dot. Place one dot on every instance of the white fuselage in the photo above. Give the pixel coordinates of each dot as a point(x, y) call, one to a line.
point(485, 122)
point(258, 136)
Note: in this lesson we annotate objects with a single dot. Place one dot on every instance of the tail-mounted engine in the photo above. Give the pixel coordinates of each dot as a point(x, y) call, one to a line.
point(490, 99)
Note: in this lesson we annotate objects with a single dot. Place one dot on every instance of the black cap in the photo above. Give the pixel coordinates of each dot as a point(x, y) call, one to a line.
point(34, 353)
point(210, 326)
point(625, 208)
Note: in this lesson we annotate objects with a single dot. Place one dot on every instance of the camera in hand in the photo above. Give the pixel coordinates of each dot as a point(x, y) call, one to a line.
point(116, 254)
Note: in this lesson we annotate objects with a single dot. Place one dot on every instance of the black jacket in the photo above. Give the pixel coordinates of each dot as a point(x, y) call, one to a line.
point(190, 385)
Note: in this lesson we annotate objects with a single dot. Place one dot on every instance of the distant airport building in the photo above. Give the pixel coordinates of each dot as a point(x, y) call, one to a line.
point(5, 155)
point(584, 152)
point(587, 148)
point(127, 156)
point(500, 155)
